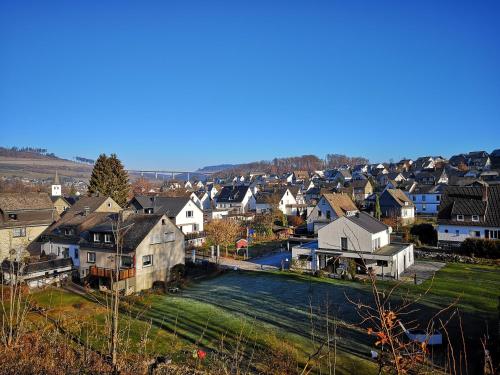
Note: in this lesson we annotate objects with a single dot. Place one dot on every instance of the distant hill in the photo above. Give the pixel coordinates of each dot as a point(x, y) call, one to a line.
point(37, 163)
point(217, 168)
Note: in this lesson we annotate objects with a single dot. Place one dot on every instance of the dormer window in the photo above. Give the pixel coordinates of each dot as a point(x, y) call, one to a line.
point(460, 217)
point(107, 238)
point(475, 218)
point(12, 216)
point(96, 237)
point(69, 231)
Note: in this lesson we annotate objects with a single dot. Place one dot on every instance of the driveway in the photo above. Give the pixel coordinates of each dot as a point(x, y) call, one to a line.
point(423, 269)
point(265, 263)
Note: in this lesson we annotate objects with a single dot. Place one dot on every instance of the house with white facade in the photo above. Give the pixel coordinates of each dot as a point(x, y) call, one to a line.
point(468, 212)
point(355, 236)
point(426, 198)
point(237, 199)
point(183, 212)
point(329, 207)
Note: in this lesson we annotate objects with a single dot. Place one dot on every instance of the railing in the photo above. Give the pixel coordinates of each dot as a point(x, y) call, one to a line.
point(106, 272)
point(195, 235)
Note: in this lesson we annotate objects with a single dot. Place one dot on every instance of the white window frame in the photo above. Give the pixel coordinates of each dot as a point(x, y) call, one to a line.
point(88, 257)
point(97, 237)
point(189, 213)
point(19, 232)
point(460, 217)
point(475, 218)
point(150, 256)
point(107, 238)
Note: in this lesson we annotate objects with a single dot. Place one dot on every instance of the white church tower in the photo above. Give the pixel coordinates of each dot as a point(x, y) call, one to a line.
point(56, 187)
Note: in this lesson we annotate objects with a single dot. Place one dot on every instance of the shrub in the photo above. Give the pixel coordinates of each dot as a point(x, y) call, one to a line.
point(295, 221)
point(425, 233)
point(481, 248)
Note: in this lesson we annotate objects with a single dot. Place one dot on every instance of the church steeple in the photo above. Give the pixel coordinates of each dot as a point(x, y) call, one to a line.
point(56, 187)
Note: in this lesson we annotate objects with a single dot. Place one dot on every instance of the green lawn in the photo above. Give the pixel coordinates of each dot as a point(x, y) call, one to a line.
point(273, 311)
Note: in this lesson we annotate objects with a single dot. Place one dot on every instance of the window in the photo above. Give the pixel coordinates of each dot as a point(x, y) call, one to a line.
point(126, 262)
point(281, 202)
point(169, 236)
point(76, 253)
point(18, 232)
point(460, 217)
point(189, 213)
point(163, 221)
point(65, 252)
point(475, 217)
point(457, 232)
point(90, 257)
point(423, 198)
point(196, 227)
point(107, 238)
point(147, 260)
point(424, 207)
point(491, 233)
point(12, 216)
point(69, 231)
point(96, 237)
point(438, 198)
point(446, 231)
point(343, 243)
point(475, 233)
point(319, 213)
point(414, 198)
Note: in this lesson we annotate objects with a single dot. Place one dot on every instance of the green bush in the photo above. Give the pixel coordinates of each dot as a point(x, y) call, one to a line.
point(481, 248)
point(425, 233)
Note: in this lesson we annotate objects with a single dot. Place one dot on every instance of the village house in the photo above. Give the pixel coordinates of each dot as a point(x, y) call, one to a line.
point(468, 212)
point(395, 204)
point(62, 238)
point(238, 199)
point(355, 236)
point(297, 177)
point(361, 189)
point(329, 207)
point(23, 217)
point(152, 246)
point(426, 198)
point(183, 212)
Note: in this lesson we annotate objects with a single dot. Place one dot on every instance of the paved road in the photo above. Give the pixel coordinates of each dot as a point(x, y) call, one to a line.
point(265, 263)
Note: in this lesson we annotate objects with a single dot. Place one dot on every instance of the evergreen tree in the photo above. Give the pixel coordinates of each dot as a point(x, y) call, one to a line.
point(110, 179)
point(120, 184)
point(378, 211)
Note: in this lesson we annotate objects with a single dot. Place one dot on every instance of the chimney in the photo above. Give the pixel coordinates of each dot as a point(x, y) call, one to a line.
point(485, 193)
point(86, 210)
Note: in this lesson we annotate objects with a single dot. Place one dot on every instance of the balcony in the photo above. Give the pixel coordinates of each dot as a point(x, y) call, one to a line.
point(195, 235)
point(108, 273)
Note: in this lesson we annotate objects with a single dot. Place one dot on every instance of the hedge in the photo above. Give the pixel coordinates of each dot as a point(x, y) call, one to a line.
point(481, 248)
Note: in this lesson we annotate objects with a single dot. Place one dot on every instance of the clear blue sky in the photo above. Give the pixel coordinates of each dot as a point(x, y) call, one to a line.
point(183, 84)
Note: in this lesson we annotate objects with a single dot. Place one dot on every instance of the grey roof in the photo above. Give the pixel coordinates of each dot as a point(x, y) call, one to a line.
point(232, 194)
point(483, 201)
point(170, 206)
point(8, 266)
point(367, 222)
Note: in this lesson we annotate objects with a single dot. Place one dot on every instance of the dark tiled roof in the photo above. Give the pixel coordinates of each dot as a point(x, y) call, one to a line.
point(170, 206)
point(232, 194)
point(483, 201)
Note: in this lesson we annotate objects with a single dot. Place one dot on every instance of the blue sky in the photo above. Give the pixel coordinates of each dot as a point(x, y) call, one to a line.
point(183, 84)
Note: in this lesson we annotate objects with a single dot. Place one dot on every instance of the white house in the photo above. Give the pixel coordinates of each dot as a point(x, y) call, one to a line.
point(238, 199)
point(468, 212)
point(426, 198)
point(183, 212)
point(329, 207)
point(360, 237)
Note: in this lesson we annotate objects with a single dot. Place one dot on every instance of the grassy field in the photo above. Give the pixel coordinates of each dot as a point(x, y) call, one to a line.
point(279, 312)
